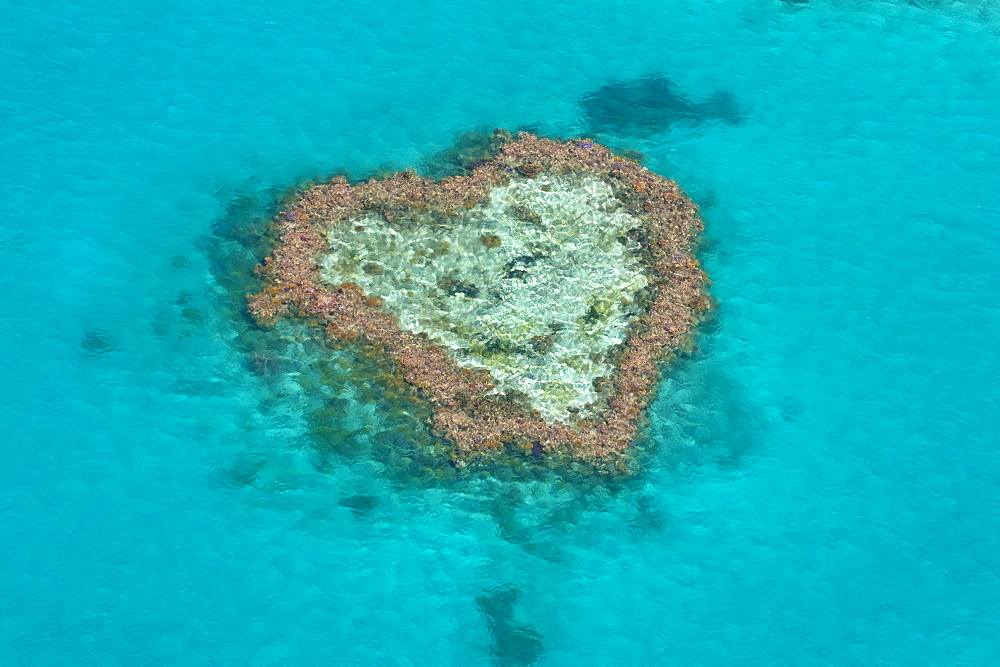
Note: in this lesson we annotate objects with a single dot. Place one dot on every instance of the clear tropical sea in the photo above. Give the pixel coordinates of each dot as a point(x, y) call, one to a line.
point(825, 480)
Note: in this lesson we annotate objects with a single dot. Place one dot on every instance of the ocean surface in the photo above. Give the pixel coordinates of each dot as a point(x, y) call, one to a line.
point(823, 478)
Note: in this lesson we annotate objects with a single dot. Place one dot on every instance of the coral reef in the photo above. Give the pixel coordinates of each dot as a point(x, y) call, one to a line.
point(527, 301)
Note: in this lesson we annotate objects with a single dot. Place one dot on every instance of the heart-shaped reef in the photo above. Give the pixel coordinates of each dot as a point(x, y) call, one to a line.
point(529, 301)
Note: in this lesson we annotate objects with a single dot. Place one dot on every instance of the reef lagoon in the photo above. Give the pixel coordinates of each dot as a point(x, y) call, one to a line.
point(816, 475)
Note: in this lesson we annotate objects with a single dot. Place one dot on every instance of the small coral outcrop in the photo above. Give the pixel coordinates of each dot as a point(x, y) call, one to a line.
point(529, 301)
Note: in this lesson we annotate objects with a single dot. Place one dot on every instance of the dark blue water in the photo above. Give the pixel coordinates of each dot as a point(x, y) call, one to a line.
point(825, 483)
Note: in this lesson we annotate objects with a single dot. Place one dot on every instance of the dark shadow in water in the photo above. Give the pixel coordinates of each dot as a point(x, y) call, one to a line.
point(651, 104)
point(514, 643)
point(96, 342)
point(465, 153)
point(363, 506)
point(241, 237)
point(243, 472)
point(708, 407)
point(470, 149)
point(533, 533)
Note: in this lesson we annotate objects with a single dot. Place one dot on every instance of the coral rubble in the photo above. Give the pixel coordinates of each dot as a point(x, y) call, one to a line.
point(528, 301)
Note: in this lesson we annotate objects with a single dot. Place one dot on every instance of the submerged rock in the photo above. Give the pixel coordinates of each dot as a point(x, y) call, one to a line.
point(96, 342)
point(514, 642)
point(651, 104)
point(527, 302)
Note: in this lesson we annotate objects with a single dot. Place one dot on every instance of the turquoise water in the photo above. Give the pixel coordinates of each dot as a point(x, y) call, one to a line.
point(825, 481)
